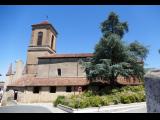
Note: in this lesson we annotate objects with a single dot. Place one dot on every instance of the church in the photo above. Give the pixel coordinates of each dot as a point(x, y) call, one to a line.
point(46, 74)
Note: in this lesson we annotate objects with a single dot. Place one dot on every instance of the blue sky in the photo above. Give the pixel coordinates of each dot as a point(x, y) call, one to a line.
point(78, 27)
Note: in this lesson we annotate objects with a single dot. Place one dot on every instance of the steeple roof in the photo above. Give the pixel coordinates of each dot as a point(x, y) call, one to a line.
point(45, 23)
point(42, 23)
point(10, 72)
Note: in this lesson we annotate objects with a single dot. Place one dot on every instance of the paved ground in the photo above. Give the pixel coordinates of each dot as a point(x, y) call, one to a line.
point(49, 108)
point(127, 108)
point(24, 109)
point(139, 109)
point(135, 110)
point(120, 108)
point(31, 108)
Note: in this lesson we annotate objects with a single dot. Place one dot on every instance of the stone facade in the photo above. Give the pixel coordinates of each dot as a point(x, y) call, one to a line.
point(66, 65)
point(152, 88)
point(27, 96)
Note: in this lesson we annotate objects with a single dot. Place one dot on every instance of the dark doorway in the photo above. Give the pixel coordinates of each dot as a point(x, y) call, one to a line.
point(36, 89)
point(68, 89)
point(15, 94)
point(53, 89)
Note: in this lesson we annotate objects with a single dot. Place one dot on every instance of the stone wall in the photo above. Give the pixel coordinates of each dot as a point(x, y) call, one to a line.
point(32, 60)
point(27, 95)
point(152, 89)
point(69, 68)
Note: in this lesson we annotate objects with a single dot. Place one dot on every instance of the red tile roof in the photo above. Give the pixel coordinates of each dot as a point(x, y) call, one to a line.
point(66, 81)
point(57, 81)
point(69, 55)
point(42, 23)
point(46, 23)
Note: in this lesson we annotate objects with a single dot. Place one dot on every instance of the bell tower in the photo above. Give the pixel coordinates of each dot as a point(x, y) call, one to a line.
point(43, 43)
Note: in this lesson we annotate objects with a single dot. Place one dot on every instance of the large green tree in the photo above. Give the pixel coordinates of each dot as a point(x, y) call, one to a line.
point(112, 57)
point(113, 25)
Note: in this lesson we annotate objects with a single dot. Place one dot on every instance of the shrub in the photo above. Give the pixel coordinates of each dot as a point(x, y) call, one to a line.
point(74, 96)
point(127, 94)
point(115, 90)
point(132, 97)
point(73, 103)
point(105, 101)
point(66, 101)
point(84, 103)
point(116, 98)
point(132, 88)
point(59, 100)
point(141, 96)
point(95, 101)
point(125, 99)
point(88, 93)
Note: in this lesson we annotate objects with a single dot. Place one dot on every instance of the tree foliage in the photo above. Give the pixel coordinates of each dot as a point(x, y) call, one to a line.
point(138, 50)
point(113, 25)
point(112, 57)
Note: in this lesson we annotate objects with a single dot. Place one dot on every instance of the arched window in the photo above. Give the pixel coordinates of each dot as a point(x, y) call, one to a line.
point(40, 36)
point(52, 41)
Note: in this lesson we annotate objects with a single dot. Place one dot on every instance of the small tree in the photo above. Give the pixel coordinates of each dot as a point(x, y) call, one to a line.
point(112, 57)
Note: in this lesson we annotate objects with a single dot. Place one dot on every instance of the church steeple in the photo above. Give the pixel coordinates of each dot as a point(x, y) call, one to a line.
point(43, 42)
point(44, 35)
